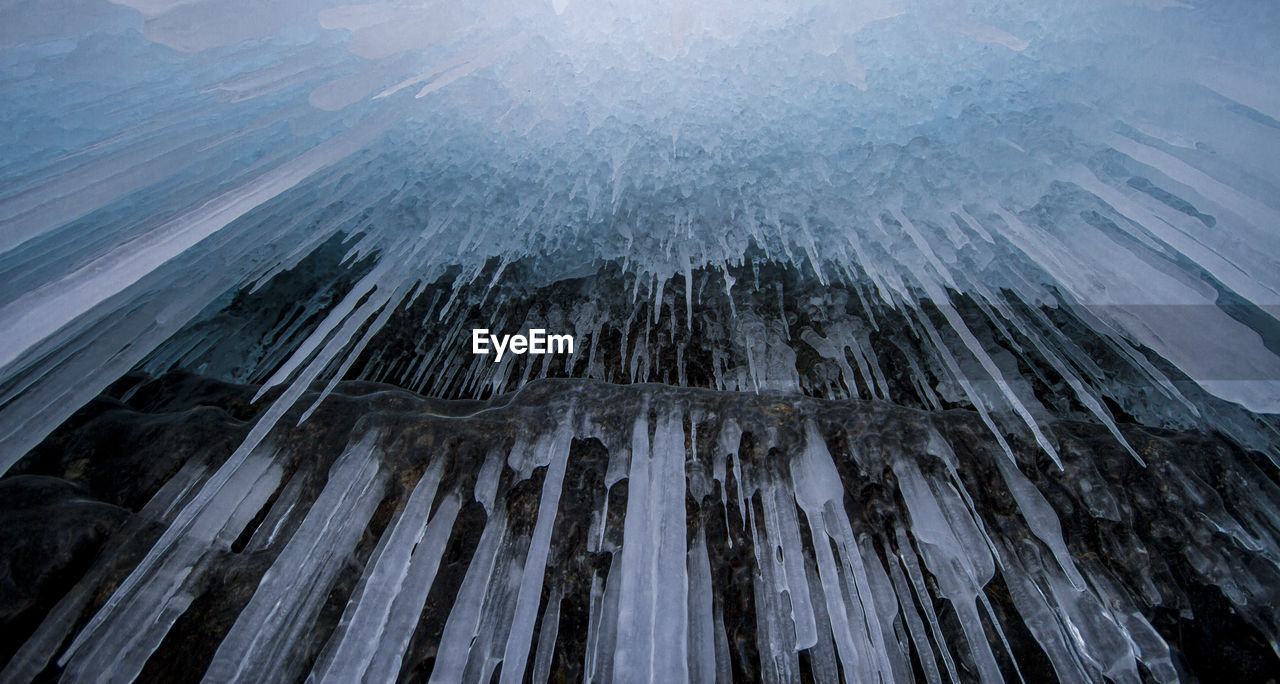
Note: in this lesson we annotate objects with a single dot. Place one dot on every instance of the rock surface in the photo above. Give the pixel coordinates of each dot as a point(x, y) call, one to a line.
point(1176, 555)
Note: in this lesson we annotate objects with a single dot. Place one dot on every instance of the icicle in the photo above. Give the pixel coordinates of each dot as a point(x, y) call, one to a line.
point(775, 635)
point(554, 448)
point(907, 555)
point(961, 568)
point(547, 632)
point(702, 629)
point(467, 614)
point(652, 613)
point(37, 315)
point(819, 493)
point(128, 628)
point(886, 611)
point(788, 570)
point(915, 626)
point(487, 479)
point(942, 301)
point(688, 292)
point(264, 638)
point(1040, 517)
point(281, 514)
point(603, 645)
point(39, 649)
point(388, 304)
point(1082, 393)
point(366, 639)
point(1039, 614)
point(823, 654)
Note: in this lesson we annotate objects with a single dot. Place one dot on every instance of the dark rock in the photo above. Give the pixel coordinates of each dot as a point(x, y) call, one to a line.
point(50, 533)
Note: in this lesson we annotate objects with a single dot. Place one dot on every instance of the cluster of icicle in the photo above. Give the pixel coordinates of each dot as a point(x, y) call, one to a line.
point(1045, 152)
point(760, 326)
point(851, 599)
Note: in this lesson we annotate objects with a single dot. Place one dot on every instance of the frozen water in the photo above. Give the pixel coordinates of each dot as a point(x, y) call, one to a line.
point(1045, 214)
point(1008, 161)
point(875, 537)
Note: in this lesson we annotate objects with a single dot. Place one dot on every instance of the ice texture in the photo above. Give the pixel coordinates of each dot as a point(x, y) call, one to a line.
point(1114, 159)
point(1041, 213)
point(879, 543)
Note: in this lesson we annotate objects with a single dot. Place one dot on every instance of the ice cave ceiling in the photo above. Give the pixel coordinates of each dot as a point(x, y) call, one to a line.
point(1044, 236)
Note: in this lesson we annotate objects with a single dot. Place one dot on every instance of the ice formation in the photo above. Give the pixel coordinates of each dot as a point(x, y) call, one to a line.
point(871, 300)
